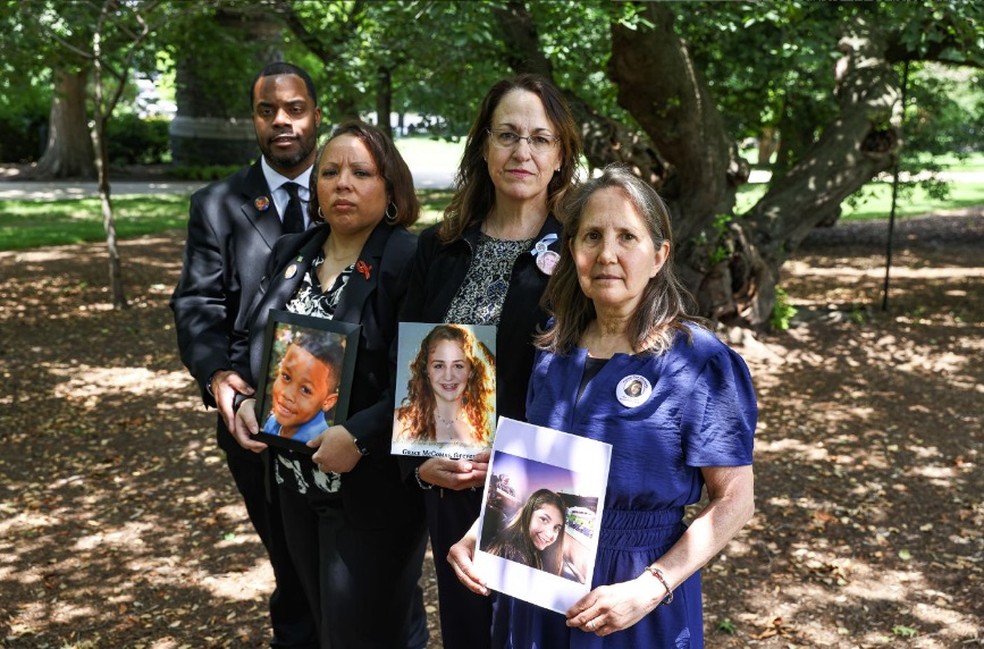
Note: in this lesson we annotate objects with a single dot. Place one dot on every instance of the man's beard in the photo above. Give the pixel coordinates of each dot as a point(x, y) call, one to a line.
point(292, 160)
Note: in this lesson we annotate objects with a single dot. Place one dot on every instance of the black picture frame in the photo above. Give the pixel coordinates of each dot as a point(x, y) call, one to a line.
point(282, 328)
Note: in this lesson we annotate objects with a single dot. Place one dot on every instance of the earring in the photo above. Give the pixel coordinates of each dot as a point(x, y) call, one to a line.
point(391, 218)
point(321, 214)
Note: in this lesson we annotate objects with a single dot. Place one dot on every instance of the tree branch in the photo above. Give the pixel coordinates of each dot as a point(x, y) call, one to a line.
point(659, 85)
point(605, 140)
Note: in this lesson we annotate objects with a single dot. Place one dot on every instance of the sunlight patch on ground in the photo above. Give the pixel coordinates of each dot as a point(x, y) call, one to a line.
point(165, 643)
point(26, 521)
point(38, 614)
point(40, 255)
point(812, 451)
point(254, 583)
point(85, 381)
point(125, 536)
point(846, 273)
point(940, 476)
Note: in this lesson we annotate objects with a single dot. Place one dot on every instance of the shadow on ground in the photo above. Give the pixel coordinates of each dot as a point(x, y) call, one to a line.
point(119, 527)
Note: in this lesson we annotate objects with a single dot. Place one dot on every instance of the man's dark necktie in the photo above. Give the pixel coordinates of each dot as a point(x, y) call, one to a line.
point(293, 215)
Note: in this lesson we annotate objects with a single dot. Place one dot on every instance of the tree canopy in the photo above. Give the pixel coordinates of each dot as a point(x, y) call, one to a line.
point(668, 88)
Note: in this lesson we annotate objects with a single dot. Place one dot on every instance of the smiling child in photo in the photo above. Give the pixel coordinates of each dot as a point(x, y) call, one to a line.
point(306, 387)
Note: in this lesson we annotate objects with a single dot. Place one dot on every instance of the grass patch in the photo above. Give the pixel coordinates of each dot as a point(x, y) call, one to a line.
point(874, 200)
point(32, 224)
point(432, 204)
point(969, 162)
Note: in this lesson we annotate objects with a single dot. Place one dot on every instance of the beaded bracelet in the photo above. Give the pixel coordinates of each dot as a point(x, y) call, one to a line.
point(420, 481)
point(658, 574)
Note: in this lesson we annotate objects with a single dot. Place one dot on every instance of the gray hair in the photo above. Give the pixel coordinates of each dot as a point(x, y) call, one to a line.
point(662, 311)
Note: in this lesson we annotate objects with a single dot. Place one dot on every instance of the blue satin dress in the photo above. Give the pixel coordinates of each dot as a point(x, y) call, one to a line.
point(699, 411)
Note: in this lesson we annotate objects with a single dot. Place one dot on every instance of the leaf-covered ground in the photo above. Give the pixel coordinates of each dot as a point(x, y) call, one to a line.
point(119, 526)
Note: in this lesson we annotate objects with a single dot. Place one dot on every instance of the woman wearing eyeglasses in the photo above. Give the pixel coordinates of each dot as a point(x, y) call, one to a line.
point(487, 263)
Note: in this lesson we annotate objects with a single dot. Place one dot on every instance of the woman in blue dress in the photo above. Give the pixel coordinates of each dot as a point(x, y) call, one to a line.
point(623, 363)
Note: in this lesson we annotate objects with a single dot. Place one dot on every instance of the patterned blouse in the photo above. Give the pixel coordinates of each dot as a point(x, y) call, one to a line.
point(480, 297)
point(293, 470)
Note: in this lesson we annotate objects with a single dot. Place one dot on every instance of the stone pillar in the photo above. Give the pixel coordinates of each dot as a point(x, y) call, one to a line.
point(213, 125)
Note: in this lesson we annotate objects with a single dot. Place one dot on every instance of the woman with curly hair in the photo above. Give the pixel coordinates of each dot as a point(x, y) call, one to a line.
point(451, 392)
point(535, 537)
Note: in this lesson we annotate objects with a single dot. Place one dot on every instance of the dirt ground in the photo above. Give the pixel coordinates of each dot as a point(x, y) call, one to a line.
point(119, 526)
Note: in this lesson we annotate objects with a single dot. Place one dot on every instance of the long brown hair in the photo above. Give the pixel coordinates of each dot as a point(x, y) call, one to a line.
point(474, 195)
point(416, 412)
point(514, 541)
point(662, 311)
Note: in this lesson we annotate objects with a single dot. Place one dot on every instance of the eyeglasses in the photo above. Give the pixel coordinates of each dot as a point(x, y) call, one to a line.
point(510, 140)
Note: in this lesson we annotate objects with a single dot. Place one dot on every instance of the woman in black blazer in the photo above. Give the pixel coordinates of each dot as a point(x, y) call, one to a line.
point(487, 263)
point(354, 529)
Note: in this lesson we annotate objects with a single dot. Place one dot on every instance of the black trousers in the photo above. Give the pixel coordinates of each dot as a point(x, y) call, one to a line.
point(293, 625)
point(363, 584)
point(466, 618)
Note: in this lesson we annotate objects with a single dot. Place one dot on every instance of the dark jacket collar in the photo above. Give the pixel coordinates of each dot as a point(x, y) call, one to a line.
point(364, 278)
point(550, 226)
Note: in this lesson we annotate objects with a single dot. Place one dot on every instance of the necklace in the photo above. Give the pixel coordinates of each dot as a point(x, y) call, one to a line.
point(449, 423)
point(498, 232)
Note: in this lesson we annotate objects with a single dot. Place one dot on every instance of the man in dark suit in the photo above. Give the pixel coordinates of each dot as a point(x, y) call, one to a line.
point(232, 227)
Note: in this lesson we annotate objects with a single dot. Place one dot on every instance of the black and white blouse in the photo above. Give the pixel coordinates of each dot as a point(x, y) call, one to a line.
point(482, 292)
point(293, 470)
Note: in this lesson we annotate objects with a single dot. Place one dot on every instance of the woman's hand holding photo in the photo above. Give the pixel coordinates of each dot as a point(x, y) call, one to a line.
point(337, 451)
point(247, 425)
point(608, 609)
point(456, 474)
point(461, 557)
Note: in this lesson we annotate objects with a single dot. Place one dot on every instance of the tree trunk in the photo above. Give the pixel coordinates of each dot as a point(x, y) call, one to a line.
point(605, 140)
point(69, 150)
point(862, 141)
point(384, 99)
point(658, 83)
point(101, 116)
point(214, 122)
point(109, 222)
point(732, 265)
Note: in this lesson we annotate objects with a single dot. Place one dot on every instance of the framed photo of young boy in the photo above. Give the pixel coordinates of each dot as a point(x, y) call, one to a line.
point(541, 514)
point(306, 378)
point(445, 390)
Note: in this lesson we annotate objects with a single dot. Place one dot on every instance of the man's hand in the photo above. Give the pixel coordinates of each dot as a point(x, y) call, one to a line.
point(225, 385)
point(246, 424)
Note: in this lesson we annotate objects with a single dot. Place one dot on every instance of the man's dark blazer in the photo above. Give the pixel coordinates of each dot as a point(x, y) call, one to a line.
point(373, 493)
point(232, 227)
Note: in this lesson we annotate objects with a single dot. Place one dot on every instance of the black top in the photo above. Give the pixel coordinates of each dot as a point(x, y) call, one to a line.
point(373, 492)
point(437, 272)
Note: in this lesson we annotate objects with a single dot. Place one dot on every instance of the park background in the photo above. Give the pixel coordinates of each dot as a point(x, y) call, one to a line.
point(778, 132)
